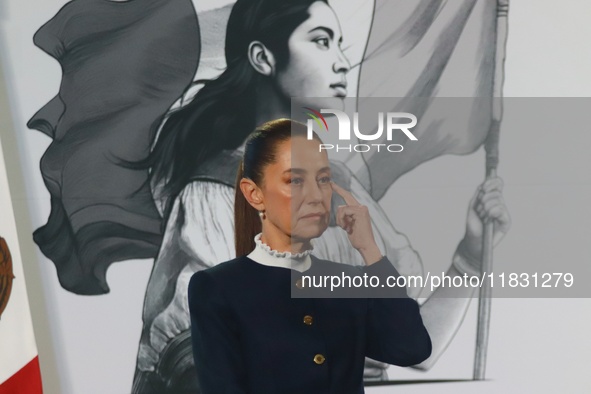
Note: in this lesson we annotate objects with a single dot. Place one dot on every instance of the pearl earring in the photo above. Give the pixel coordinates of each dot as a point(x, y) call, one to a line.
point(262, 214)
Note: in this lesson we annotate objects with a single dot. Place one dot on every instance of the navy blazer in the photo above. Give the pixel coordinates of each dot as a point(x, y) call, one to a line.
point(251, 336)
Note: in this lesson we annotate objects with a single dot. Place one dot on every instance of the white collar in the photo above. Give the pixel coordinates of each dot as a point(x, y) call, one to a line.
point(263, 254)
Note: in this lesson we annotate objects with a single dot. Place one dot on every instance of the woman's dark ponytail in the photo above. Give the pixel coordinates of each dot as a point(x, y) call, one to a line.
point(247, 222)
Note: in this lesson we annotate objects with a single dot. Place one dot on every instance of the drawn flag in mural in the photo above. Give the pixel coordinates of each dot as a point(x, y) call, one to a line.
point(19, 363)
point(124, 64)
point(421, 50)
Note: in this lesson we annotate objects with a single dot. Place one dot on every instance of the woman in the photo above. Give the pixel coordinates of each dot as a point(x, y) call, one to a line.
point(249, 334)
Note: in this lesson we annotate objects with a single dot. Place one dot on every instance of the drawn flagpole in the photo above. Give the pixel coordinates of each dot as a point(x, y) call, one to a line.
point(492, 159)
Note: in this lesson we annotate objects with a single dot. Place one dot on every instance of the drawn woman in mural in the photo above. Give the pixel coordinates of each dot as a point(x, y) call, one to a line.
point(274, 51)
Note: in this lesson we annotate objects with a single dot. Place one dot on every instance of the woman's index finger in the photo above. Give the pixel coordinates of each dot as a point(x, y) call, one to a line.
point(347, 196)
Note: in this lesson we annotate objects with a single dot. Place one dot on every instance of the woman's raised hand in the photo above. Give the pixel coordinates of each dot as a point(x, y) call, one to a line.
point(355, 220)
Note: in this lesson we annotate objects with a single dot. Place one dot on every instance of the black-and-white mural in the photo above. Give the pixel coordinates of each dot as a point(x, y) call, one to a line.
point(157, 97)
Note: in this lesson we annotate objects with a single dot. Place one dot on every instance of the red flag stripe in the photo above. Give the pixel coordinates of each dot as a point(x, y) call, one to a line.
point(26, 381)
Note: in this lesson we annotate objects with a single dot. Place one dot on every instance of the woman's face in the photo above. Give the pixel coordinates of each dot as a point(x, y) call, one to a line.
point(316, 67)
point(297, 190)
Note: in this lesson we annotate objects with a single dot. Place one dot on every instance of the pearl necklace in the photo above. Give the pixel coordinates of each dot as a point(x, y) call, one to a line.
point(275, 253)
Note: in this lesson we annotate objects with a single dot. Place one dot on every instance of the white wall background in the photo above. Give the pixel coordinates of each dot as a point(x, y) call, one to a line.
point(88, 345)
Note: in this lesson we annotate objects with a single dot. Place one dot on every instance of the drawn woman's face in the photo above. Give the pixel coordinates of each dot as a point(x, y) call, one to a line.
point(316, 67)
point(297, 190)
